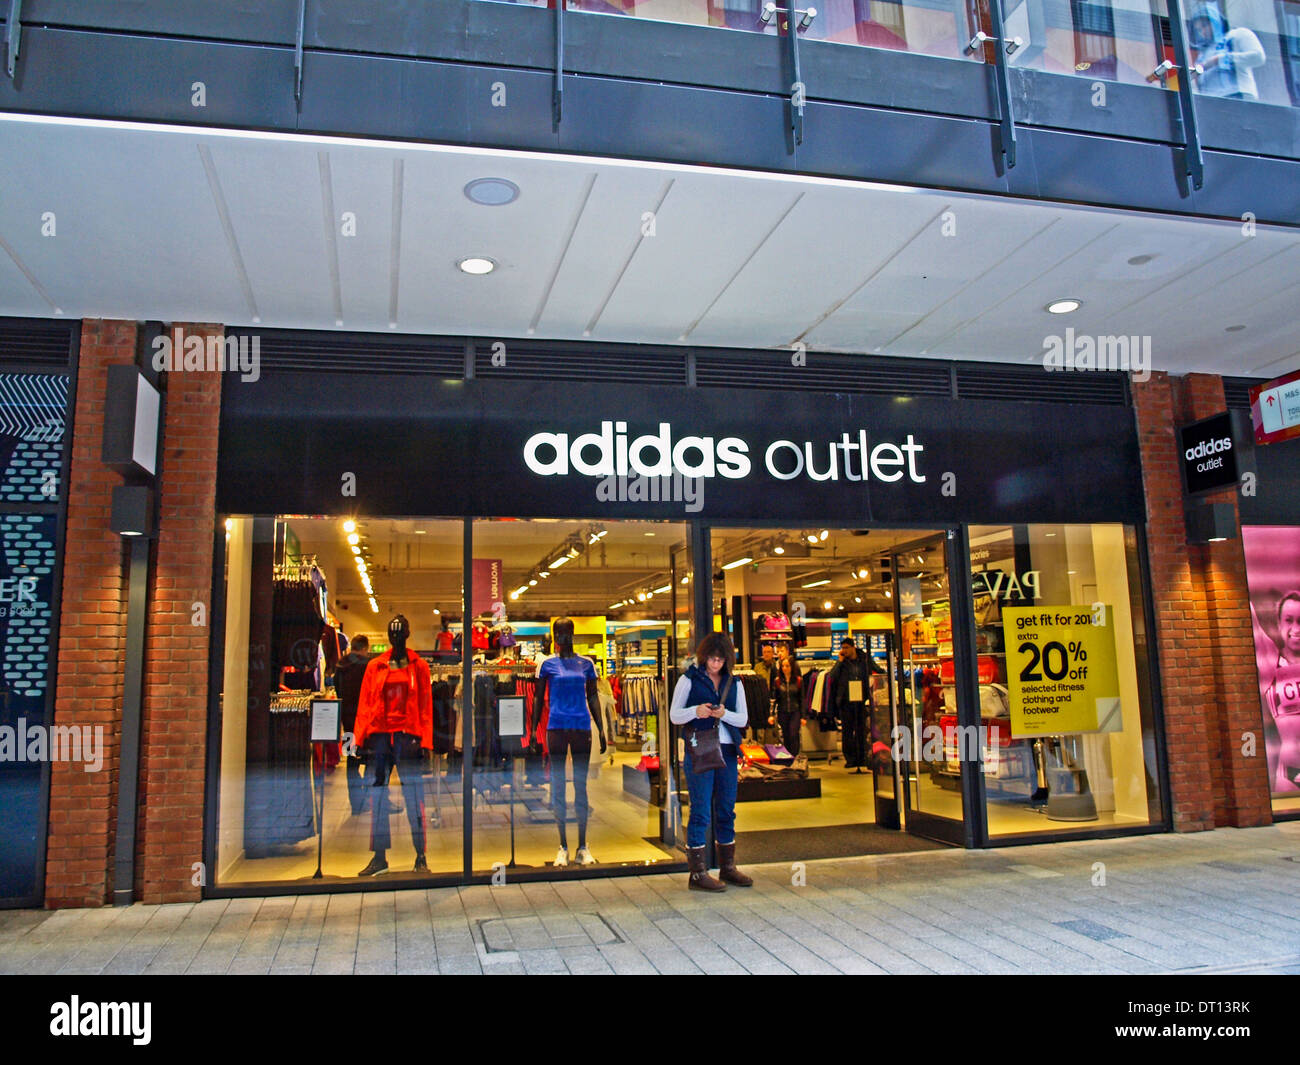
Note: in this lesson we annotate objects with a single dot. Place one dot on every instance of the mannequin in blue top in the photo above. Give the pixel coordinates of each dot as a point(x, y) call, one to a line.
point(570, 682)
point(707, 697)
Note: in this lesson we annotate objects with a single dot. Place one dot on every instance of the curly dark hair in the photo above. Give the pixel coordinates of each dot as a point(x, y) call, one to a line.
point(716, 643)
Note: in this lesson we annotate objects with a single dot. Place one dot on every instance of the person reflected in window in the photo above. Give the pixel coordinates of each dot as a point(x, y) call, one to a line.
point(1227, 56)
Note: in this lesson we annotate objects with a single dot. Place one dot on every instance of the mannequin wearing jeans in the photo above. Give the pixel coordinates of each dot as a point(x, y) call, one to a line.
point(707, 697)
point(574, 705)
point(395, 726)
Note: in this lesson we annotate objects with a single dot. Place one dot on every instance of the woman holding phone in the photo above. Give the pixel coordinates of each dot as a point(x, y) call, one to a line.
point(707, 700)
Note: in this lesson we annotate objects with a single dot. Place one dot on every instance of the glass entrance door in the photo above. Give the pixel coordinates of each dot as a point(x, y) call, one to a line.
point(931, 748)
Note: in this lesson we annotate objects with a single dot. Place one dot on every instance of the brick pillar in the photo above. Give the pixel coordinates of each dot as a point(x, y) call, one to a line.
point(1202, 622)
point(92, 639)
point(1241, 793)
point(174, 735)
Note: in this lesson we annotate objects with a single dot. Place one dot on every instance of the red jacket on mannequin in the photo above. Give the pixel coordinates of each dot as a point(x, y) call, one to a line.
point(404, 706)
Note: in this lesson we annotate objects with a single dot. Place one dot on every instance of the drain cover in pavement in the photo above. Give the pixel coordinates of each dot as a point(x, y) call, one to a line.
point(1091, 929)
point(503, 935)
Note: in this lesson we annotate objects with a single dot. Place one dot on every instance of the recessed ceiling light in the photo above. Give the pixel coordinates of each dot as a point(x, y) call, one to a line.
point(1140, 260)
point(492, 192)
point(477, 265)
point(1062, 306)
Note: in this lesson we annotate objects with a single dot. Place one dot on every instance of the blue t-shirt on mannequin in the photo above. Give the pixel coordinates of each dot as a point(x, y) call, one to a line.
point(567, 679)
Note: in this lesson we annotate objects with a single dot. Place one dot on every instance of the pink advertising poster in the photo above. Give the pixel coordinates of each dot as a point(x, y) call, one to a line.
point(488, 594)
point(1273, 573)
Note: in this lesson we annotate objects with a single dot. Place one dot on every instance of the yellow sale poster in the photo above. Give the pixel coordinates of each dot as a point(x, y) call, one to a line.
point(1061, 675)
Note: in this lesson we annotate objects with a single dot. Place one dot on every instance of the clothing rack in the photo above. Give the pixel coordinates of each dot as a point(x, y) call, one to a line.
point(296, 569)
point(292, 702)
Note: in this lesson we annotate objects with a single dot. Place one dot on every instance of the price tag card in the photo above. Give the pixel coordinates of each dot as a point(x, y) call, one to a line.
point(1061, 673)
point(510, 712)
point(324, 720)
point(855, 691)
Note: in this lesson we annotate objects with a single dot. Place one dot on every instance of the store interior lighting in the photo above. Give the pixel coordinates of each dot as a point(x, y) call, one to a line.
point(739, 562)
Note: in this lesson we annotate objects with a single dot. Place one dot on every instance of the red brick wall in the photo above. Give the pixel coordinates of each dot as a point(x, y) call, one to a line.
point(174, 734)
point(1202, 621)
point(92, 639)
point(1241, 782)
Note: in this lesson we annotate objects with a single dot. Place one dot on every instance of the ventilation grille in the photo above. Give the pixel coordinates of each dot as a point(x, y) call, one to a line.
point(287, 352)
point(823, 372)
point(1236, 391)
point(558, 361)
point(35, 342)
point(1036, 384)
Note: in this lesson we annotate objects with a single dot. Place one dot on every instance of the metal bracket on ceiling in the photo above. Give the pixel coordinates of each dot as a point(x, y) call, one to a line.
point(13, 36)
point(1193, 159)
point(297, 52)
point(557, 87)
point(798, 91)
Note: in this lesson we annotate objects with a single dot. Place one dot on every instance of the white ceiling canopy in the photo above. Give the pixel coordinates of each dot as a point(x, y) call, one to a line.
point(116, 220)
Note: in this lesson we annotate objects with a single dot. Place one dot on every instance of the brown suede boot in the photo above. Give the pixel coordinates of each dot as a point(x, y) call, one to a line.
point(727, 866)
point(700, 879)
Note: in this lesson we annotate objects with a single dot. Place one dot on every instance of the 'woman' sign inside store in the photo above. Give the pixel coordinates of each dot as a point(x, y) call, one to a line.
point(609, 453)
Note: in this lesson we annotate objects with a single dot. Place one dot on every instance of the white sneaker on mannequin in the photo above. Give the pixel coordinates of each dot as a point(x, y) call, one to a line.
point(561, 857)
point(585, 857)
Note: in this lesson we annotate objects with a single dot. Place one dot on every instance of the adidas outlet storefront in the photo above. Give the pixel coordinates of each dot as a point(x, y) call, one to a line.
point(970, 541)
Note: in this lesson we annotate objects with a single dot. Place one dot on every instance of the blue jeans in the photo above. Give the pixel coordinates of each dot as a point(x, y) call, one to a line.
point(712, 793)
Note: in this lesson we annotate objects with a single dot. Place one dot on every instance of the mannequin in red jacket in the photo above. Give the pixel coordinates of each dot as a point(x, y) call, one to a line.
point(394, 726)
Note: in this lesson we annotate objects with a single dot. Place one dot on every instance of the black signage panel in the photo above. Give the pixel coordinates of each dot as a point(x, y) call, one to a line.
point(1208, 455)
point(335, 444)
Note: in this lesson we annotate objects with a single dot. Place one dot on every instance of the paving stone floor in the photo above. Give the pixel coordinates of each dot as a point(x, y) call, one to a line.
point(1226, 901)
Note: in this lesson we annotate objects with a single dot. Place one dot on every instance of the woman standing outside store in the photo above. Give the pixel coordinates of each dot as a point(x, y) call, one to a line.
point(707, 698)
